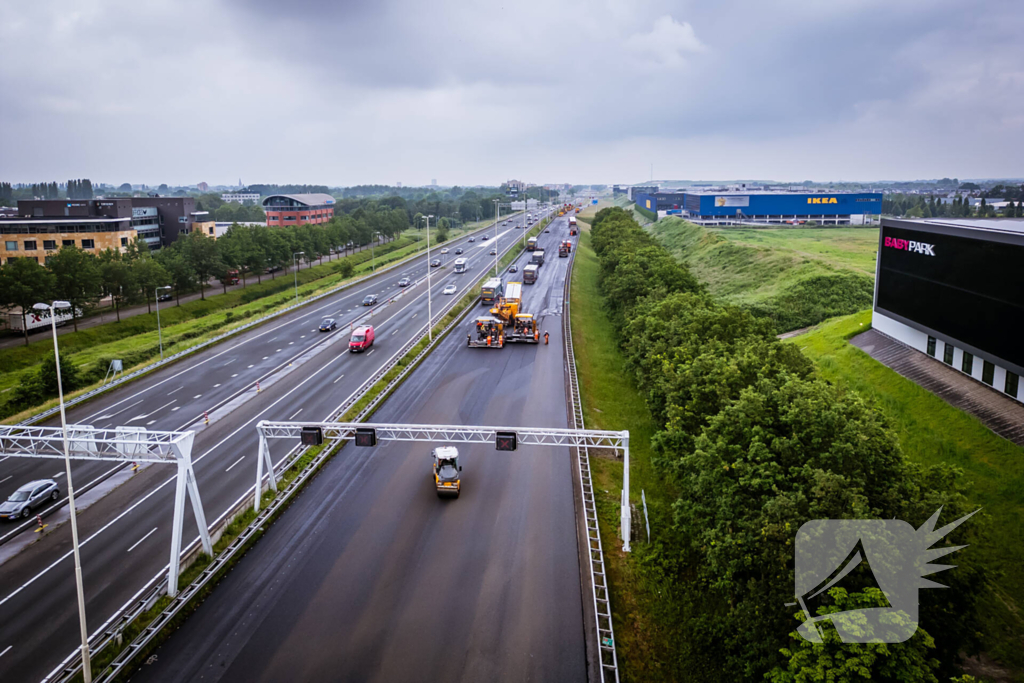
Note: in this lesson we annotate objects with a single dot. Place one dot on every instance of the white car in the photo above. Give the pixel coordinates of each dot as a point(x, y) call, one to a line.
point(444, 250)
point(449, 289)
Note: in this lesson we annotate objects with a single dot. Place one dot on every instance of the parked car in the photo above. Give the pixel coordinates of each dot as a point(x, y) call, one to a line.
point(449, 288)
point(435, 263)
point(165, 296)
point(404, 282)
point(32, 495)
point(362, 339)
point(513, 268)
point(548, 230)
point(328, 324)
point(458, 251)
point(369, 299)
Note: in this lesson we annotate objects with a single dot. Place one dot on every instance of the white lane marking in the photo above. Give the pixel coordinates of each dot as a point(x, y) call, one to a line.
point(58, 476)
point(265, 357)
point(12, 476)
point(178, 389)
point(197, 396)
point(334, 382)
point(415, 314)
point(278, 351)
point(175, 408)
point(150, 422)
point(234, 375)
point(290, 343)
point(107, 417)
point(235, 463)
point(251, 366)
point(156, 490)
point(216, 385)
point(231, 361)
point(302, 337)
point(6, 651)
point(395, 332)
point(369, 352)
point(295, 413)
point(142, 539)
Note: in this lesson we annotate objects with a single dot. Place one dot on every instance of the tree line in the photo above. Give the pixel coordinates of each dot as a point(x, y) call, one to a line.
point(753, 443)
point(930, 206)
point(131, 276)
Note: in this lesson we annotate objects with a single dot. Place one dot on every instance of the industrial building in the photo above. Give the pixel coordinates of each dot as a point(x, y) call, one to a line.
point(240, 197)
point(634, 193)
point(41, 227)
point(758, 207)
point(954, 290)
point(298, 209)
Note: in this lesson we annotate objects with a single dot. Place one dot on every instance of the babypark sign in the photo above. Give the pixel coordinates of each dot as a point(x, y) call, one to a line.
point(910, 245)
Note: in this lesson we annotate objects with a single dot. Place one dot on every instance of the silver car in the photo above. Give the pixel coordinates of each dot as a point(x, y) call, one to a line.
point(32, 495)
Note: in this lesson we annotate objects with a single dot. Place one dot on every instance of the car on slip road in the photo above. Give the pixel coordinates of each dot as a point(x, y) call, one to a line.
point(369, 299)
point(28, 497)
point(328, 324)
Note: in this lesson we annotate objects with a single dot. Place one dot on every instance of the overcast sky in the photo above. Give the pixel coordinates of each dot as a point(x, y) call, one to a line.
point(345, 92)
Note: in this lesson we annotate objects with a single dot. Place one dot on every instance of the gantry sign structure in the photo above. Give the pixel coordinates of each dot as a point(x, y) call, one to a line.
point(121, 444)
point(503, 438)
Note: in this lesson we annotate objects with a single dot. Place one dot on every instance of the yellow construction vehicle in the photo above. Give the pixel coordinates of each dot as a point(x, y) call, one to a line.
point(506, 324)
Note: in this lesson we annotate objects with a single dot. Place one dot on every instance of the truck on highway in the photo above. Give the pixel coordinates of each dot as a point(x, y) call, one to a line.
point(538, 257)
point(446, 471)
point(573, 228)
point(531, 244)
point(530, 274)
point(506, 324)
point(563, 249)
point(460, 265)
point(35, 320)
point(492, 290)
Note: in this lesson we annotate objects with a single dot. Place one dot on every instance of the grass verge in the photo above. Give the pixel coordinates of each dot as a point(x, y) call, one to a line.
point(645, 632)
point(932, 431)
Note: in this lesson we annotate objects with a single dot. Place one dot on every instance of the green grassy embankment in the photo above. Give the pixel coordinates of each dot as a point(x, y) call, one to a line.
point(645, 636)
point(932, 431)
point(796, 280)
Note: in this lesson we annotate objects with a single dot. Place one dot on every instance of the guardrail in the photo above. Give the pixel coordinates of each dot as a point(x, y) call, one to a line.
point(111, 632)
point(607, 655)
point(215, 340)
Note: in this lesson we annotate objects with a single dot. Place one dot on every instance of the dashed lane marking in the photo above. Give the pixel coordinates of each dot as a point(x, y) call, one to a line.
point(235, 463)
point(143, 539)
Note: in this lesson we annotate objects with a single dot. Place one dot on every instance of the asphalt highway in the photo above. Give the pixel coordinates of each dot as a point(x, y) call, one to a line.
point(304, 374)
point(369, 576)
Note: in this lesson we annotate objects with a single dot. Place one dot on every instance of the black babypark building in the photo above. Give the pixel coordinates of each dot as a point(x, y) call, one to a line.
point(954, 289)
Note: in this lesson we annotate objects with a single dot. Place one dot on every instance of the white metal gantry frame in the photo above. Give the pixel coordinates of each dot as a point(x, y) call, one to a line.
point(525, 436)
point(121, 444)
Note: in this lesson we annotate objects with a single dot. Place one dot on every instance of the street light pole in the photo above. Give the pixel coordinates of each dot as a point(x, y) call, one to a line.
point(497, 212)
point(159, 334)
point(373, 260)
point(430, 315)
point(86, 661)
point(295, 265)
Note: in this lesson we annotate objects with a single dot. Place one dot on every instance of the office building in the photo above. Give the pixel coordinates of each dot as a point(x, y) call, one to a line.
point(298, 209)
point(241, 197)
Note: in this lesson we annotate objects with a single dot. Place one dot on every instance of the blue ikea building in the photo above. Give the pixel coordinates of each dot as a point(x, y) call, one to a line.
point(760, 206)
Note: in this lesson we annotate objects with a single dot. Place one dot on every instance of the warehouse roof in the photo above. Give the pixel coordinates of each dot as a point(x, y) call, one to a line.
point(1014, 225)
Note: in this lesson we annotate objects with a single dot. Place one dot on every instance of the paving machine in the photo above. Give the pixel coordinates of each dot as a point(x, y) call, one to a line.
point(446, 471)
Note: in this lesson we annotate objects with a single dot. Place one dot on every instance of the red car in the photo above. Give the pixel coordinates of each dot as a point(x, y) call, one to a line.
point(362, 338)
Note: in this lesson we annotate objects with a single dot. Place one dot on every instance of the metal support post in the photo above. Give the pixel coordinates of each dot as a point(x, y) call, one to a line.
point(627, 518)
point(263, 458)
point(176, 527)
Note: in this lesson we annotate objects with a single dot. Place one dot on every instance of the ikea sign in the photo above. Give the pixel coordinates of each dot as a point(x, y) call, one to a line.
point(822, 200)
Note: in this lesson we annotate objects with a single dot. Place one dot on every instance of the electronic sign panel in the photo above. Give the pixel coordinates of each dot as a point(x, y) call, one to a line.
point(969, 289)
